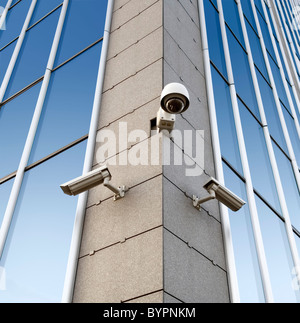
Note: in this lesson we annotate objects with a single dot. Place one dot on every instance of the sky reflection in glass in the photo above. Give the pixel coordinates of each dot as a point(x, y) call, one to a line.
point(67, 109)
point(33, 58)
point(84, 25)
point(15, 119)
point(278, 255)
point(250, 285)
point(226, 125)
point(36, 252)
point(14, 22)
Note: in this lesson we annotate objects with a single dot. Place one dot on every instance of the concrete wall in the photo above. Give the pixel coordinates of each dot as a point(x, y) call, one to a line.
point(152, 246)
point(194, 263)
point(121, 252)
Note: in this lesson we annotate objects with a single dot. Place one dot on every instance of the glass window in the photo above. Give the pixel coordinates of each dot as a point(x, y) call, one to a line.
point(15, 119)
point(42, 8)
point(247, 9)
point(36, 251)
point(84, 25)
point(266, 35)
point(232, 18)
point(260, 167)
point(241, 73)
point(14, 22)
point(278, 255)
point(214, 37)
point(271, 112)
point(34, 55)
point(5, 56)
point(256, 51)
point(67, 109)
point(249, 281)
point(5, 189)
point(290, 123)
point(289, 185)
point(279, 84)
point(226, 125)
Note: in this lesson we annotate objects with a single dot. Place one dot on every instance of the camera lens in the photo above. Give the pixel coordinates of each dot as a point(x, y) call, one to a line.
point(174, 106)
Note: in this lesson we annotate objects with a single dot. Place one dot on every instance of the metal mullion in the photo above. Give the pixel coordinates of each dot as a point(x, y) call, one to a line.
point(33, 127)
point(276, 97)
point(16, 51)
point(226, 229)
point(284, 81)
point(291, 28)
point(70, 276)
point(4, 13)
point(283, 38)
point(246, 169)
point(287, 64)
point(296, 31)
point(267, 136)
point(289, 40)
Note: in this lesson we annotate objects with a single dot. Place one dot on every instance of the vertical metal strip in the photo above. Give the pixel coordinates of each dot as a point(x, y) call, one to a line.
point(274, 166)
point(293, 36)
point(276, 97)
point(296, 77)
point(289, 38)
point(89, 156)
point(285, 60)
point(4, 13)
point(32, 131)
point(246, 169)
point(17, 49)
point(229, 253)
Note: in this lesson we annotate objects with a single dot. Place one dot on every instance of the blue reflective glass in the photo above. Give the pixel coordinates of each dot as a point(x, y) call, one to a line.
point(36, 252)
point(42, 8)
point(225, 119)
point(33, 58)
point(15, 119)
point(279, 83)
point(289, 185)
point(84, 25)
point(214, 37)
point(67, 109)
point(290, 123)
point(249, 281)
point(241, 73)
point(278, 255)
point(271, 112)
point(256, 50)
point(14, 22)
point(231, 16)
point(259, 162)
point(5, 56)
point(247, 9)
point(5, 189)
point(266, 35)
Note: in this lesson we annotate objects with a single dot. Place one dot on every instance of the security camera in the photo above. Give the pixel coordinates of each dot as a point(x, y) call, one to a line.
point(91, 179)
point(221, 193)
point(174, 100)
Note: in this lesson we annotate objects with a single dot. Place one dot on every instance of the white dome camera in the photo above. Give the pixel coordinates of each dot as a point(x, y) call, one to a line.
point(174, 100)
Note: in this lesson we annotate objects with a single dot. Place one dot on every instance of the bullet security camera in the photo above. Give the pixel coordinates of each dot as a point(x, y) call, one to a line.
point(221, 193)
point(91, 179)
point(174, 100)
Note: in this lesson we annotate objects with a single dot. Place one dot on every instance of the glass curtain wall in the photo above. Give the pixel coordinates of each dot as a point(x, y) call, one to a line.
point(267, 110)
point(35, 253)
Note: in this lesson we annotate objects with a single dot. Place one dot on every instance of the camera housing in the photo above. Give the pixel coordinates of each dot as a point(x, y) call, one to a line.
point(91, 179)
point(174, 100)
point(221, 193)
